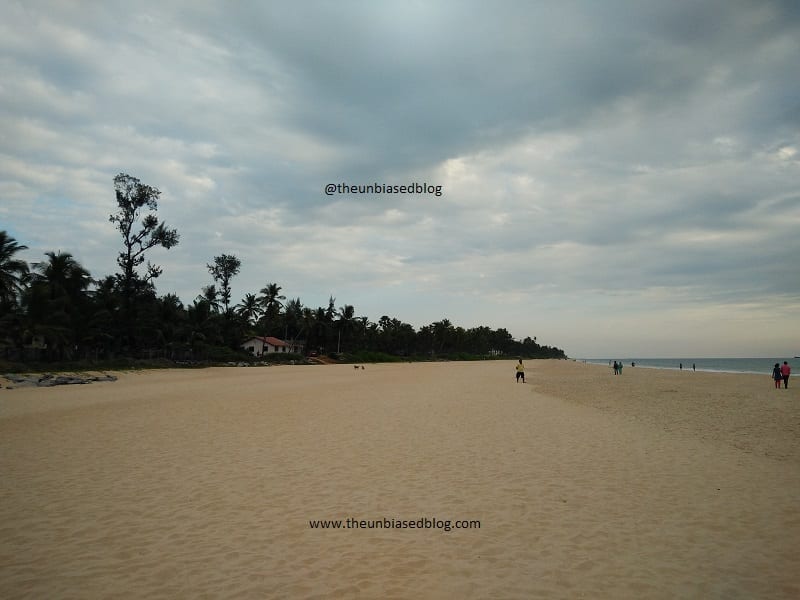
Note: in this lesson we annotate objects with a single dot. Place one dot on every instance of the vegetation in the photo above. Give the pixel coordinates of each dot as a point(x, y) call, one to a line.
point(54, 312)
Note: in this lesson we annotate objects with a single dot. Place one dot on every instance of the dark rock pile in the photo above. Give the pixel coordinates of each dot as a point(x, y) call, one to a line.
point(50, 380)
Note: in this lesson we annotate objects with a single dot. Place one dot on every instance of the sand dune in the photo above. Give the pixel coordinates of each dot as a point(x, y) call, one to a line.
point(201, 484)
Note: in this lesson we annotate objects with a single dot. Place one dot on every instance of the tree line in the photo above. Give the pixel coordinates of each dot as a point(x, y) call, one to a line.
point(54, 310)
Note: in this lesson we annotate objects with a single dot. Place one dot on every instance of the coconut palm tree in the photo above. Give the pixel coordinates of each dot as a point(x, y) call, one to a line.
point(345, 323)
point(270, 300)
point(442, 334)
point(57, 303)
point(210, 296)
point(249, 309)
point(13, 279)
point(320, 329)
point(13, 271)
point(308, 327)
point(63, 275)
point(171, 315)
point(362, 325)
point(102, 332)
point(271, 297)
point(292, 315)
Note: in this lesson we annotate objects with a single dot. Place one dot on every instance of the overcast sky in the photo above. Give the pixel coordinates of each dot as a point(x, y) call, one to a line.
point(619, 178)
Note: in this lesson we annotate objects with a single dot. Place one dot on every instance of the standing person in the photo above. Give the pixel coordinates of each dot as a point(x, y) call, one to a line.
point(786, 370)
point(616, 368)
point(680, 366)
point(777, 375)
point(520, 371)
point(620, 367)
point(694, 367)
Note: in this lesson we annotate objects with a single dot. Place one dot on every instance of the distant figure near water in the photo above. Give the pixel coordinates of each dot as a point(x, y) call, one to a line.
point(786, 370)
point(777, 375)
point(520, 371)
point(616, 368)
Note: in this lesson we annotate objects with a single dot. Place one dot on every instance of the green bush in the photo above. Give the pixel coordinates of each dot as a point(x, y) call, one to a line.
point(225, 354)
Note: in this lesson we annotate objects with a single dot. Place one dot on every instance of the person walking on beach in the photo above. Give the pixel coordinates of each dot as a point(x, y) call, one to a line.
point(777, 375)
point(520, 371)
point(616, 368)
point(786, 370)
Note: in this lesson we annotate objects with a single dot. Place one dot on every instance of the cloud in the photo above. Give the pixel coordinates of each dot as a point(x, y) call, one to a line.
point(596, 160)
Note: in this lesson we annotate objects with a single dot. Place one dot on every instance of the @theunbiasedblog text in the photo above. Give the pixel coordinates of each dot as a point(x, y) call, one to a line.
point(377, 189)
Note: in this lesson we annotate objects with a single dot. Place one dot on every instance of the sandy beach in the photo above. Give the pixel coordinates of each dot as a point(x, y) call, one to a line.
point(576, 484)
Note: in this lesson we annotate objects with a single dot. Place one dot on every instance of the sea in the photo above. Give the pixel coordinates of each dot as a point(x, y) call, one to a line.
point(719, 365)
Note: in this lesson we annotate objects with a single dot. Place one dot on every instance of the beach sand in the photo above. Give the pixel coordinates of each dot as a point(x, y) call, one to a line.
point(202, 483)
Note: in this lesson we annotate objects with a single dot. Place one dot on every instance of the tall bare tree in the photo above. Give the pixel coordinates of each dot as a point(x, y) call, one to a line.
point(141, 231)
point(225, 268)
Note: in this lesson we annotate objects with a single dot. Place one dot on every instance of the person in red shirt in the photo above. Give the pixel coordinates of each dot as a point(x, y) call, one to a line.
point(786, 370)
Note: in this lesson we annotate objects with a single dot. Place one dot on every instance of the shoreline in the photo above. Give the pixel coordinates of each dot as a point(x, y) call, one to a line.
point(740, 410)
point(717, 365)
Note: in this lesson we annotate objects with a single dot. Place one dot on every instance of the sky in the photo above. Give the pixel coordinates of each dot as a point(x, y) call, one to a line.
point(618, 178)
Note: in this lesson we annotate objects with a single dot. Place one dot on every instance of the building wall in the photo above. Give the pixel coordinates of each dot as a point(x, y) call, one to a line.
point(259, 348)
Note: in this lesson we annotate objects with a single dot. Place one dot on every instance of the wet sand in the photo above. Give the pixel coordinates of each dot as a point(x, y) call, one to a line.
point(202, 483)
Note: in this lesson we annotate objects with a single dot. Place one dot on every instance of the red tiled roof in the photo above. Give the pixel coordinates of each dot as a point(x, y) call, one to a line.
point(273, 341)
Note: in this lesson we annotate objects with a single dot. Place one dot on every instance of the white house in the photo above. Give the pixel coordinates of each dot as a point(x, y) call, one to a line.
point(258, 346)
